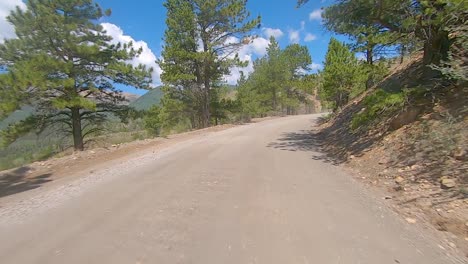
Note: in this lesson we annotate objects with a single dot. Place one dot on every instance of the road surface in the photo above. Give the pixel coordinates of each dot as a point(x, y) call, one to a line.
point(255, 193)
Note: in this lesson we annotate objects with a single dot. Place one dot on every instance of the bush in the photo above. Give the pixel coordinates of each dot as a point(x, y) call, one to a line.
point(152, 120)
point(377, 106)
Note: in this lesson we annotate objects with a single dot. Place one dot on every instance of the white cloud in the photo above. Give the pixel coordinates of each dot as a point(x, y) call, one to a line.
point(294, 36)
point(6, 29)
point(275, 32)
point(315, 66)
point(257, 48)
point(316, 14)
point(302, 25)
point(361, 56)
point(147, 57)
point(310, 37)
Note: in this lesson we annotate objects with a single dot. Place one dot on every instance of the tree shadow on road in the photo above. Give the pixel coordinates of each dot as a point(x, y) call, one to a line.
point(333, 144)
point(17, 180)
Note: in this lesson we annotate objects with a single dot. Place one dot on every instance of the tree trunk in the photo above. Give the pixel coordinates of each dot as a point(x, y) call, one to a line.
point(370, 61)
point(436, 47)
point(206, 119)
point(274, 105)
point(206, 81)
point(370, 55)
point(402, 53)
point(76, 129)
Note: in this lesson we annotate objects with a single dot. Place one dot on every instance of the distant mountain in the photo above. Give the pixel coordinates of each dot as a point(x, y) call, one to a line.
point(152, 97)
point(26, 111)
point(16, 116)
point(130, 97)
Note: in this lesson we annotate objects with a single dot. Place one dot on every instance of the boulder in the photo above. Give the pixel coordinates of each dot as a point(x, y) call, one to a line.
point(447, 183)
point(460, 154)
point(399, 180)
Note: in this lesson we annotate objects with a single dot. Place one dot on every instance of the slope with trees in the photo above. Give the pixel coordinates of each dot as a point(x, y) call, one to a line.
point(408, 130)
point(278, 83)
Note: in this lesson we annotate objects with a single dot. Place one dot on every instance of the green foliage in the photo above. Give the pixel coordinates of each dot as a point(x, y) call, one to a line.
point(342, 75)
point(398, 22)
point(277, 82)
point(456, 65)
point(31, 148)
point(152, 120)
point(21, 128)
point(174, 112)
point(374, 73)
point(201, 41)
point(223, 107)
point(64, 64)
point(378, 105)
point(16, 116)
point(351, 18)
point(149, 99)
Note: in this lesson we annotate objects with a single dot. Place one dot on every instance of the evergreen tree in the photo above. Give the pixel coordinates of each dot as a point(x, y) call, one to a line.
point(295, 60)
point(62, 63)
point(201, 39)
point(426, 21)
point(276, 84)
point(340, 75)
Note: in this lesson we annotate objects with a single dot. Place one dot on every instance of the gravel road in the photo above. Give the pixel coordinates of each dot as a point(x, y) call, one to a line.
point(256, 193)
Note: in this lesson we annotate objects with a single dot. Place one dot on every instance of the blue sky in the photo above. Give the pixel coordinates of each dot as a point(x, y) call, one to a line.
point(143, 22)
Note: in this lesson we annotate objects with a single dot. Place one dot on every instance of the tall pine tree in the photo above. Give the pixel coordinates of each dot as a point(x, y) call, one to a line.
point(340, 75)
point(201, 39)
point(63, 64)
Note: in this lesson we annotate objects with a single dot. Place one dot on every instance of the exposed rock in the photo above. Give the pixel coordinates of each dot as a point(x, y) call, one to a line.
point(410, 220)
point(384, 160)
point(399, 180)
point(447, 183)
point(405, 117)
point(460, 154)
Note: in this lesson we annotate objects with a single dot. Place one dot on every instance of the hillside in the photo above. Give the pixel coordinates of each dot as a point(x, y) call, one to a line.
point(130, 97)
point(16, 116)
point(26, 111)
point(416, 150)
point(144, 102)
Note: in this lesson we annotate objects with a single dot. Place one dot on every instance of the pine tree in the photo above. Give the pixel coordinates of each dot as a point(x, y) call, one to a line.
point(274, 74)
point(201, 40)
point(63, 64)
point(425, 21)
point(295, 60)
point(341, 74)
point(276, 82)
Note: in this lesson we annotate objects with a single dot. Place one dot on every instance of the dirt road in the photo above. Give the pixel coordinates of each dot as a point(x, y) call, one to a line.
point(249, 194)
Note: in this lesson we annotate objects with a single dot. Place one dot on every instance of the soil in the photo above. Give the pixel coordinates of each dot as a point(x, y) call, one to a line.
point(73, 165)
point(409, 161)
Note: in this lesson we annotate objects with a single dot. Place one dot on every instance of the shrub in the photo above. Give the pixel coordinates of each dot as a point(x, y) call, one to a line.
point(377, 106)
point(152, 120)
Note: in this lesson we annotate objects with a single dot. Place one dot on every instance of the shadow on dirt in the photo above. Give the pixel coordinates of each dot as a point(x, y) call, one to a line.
point(333, 144)
point(17, 181)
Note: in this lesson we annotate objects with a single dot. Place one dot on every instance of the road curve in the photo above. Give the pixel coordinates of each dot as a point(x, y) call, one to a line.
point(250, 194)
